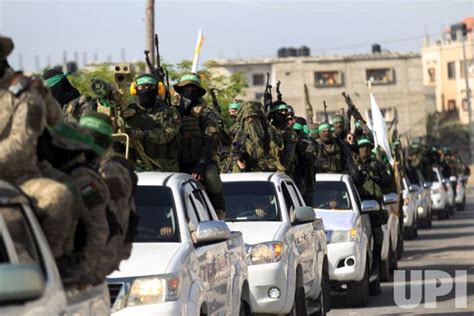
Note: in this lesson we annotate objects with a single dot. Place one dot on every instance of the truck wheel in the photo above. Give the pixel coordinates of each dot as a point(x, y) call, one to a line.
point(358, 291)
point(324, 299)
point(385, 271)
point(244, 309)
point(299, 304)
point(410, 232)
point(443, 214)
point(400, 246)
point(374, 284)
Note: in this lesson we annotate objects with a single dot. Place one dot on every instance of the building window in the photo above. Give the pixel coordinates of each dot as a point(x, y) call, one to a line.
point(470, 68)
point(258, 79)
point(321, 116)
point(328, 78)
point(431, 74)
point(464, 105)
point(451, 105)
point(451, 70)
point(380, 75)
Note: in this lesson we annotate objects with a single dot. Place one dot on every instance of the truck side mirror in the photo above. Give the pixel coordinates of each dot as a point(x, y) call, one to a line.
point(209, 232)
point(370, 206)
point(304, 214)
point(20, 282)
point(427, 184)
point(390, 198)
point(413, 188)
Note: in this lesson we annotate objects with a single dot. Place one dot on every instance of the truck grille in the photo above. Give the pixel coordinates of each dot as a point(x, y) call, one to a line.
point(114, 290)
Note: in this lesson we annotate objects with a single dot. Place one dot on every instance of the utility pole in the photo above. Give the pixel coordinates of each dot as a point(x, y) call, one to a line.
point(150, 28)
point(468, 97)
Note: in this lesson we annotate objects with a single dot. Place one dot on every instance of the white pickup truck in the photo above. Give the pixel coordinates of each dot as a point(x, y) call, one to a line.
point(349, 235)
point(184, 261)
point(30, 283)
point(286, 244)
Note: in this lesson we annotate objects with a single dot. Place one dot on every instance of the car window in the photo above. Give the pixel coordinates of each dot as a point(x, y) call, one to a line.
point(18, 244)
point(157, 213)
point(331, 195)
point(294, 194)
point(201, 206)
point(251, 201)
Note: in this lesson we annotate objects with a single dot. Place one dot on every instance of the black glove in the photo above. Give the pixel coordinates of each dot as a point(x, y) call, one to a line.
point(200, 169)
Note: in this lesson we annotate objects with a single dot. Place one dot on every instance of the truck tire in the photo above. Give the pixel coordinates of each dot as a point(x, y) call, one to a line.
point(299, 304)
point(324, 299)
point(385, 270)
point(358, 291)
point(374, 285)
point(443, 214)
point(400, 246)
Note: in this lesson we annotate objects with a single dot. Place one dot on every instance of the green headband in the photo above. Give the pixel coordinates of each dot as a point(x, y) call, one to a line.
point(364, 141)
point(75, 135)
point(190, 77)
point(306, 129)
point(96, 124)
point(52, 81)
point(279, 108)
point(337, 120)
point(235, 106)
point(298, 126)
point(323, 126)
point(146, 80)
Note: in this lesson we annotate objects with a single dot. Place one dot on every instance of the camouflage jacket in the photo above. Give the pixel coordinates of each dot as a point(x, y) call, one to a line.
point(200, 134)
point(161, 125)
point(373, 179)
point(26, 107)
point(73, 110)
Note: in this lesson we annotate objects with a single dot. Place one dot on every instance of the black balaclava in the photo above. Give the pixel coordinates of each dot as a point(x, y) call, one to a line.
point(147, 98)
point(280, 119)
point(191, 93)
point(62, 91)
point(3, 67)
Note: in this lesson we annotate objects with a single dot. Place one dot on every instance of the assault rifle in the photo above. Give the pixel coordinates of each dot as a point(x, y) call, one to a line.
point(267, 96)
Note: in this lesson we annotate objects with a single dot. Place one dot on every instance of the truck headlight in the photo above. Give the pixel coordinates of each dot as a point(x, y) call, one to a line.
point(266, 252)
point(154, 289)
point(344, 235)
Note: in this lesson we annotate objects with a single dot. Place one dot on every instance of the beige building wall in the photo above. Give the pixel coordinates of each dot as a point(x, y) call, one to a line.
point(406, 98)
point(450, 92)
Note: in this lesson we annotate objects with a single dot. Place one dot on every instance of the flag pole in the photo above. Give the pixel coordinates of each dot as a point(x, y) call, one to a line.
point(197, 52)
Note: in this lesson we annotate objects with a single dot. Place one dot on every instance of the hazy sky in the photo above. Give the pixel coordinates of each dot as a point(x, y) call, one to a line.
point(231, 28)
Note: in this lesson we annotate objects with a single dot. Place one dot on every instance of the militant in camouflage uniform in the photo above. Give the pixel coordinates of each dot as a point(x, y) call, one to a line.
point(26, 107)
point(76, 153)
point(333, 155)
point(73, 103)
point(155, 125)
point(256, 144)
point(279, 117)
point(306, 162)
point(371, 181)
point(121, 181)
point(201, 139)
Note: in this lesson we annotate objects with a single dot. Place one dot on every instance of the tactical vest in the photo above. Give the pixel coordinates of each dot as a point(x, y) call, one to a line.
point(155, 120)
point(331, 156)
point(370, 188)
point(191, 140)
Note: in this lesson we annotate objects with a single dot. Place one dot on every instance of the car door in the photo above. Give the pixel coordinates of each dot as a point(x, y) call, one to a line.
point(304, 237)
point(212, 260)
point(364, 218)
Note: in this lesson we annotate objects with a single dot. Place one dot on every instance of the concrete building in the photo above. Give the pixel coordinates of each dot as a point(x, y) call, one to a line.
point(443, 69)
point(397, 82)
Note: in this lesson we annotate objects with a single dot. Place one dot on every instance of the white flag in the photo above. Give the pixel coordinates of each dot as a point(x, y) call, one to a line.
point(380, 129)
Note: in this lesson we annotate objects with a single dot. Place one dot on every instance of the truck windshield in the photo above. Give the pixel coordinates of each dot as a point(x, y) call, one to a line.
point(331, 195)
point(158, 221)
point(251, 201)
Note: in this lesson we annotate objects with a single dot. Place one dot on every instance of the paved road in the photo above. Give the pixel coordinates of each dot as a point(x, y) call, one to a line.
point(447, 246)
